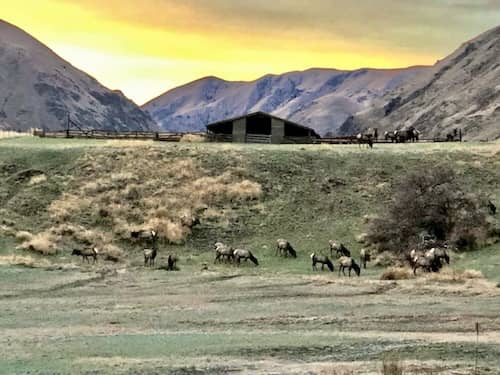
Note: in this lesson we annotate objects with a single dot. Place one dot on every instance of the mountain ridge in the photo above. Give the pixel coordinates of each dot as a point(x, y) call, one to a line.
point(38, 89)
point(299, 96)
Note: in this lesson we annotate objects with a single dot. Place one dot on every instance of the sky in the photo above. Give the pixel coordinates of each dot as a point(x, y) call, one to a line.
point(147, 47)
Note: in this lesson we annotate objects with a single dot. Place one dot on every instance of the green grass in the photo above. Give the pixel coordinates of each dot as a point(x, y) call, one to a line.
point(311, 193)
point(81, 319)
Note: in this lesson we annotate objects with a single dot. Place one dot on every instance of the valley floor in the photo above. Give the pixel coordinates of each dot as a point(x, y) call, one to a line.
point(99, 320)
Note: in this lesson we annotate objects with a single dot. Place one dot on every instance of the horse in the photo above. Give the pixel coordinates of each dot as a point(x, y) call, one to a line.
point(390, 136)
point(149, 256)
point(364, 257)
point(223, 252)
point(349, 263)
point(365, 139)
point(324, 260)
point(283, 247)
point(86, 253)
point(339, 248)
point(239, 254)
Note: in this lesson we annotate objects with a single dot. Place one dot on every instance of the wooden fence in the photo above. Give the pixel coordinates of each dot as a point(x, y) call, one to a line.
point(103, 134)
point(176, 137)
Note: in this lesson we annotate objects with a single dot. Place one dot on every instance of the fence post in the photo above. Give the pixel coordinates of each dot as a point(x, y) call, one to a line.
point(477, 344)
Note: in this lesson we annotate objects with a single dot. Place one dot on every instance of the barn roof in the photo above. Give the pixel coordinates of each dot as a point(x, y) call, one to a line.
point(214, 124)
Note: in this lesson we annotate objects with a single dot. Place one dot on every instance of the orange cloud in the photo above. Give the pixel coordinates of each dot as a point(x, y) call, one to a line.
point(148, 47)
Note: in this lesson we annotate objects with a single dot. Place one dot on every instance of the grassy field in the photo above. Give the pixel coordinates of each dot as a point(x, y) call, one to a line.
point(60, 316)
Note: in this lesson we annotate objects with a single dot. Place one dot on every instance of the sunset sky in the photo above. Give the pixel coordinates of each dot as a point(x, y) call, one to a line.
point(147, 47)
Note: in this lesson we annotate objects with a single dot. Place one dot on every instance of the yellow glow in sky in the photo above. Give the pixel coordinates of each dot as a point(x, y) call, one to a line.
point(147, 47)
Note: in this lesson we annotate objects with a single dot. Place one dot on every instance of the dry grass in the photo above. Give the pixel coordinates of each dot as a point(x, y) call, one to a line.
point(454, 276)
point(244, 190)
point(396, 273)
point(25, 261)
point(4, 134)
point(192, 138)
point(392, 367)
point(38, 179)
point(43, 243)
point(141, 187)
point(112, 253)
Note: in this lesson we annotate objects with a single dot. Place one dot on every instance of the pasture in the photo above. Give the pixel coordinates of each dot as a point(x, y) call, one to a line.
point(63, 316)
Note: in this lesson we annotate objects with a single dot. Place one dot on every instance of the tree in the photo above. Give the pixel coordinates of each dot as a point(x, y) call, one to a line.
point(431, 202)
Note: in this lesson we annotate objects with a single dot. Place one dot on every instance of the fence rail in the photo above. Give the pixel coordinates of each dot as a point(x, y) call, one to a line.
point(176, 137)
point(103, 134)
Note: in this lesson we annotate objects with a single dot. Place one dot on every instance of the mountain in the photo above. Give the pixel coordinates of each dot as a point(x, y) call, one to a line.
point(38, 89)
point(319, 98)
point(460, 91)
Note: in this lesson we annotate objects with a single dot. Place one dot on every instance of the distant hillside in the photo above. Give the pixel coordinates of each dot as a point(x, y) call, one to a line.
point(320, 98)
point(461, 91)
point(38, 89)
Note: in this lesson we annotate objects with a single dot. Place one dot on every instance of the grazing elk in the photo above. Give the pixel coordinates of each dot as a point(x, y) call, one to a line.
point(86, 254)
point(339, 249)
point(323, 260)
point(150, 256)
point(364, 257)
point(223, 252)
point(430, 261)
point(284, 248)
point(239, 254)
point(421, 261)
point(171, 263)
point(350, 264)
point(492, 208)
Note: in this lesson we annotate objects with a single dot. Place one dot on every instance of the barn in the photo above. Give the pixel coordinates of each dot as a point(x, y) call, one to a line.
point(260, 127)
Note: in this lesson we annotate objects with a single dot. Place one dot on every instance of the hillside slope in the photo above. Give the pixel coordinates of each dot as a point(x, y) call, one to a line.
point(461, 91)
point(320, 98)
point(38, 89)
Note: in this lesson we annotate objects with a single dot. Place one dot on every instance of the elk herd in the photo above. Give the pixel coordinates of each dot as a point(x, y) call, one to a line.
point(429, 257)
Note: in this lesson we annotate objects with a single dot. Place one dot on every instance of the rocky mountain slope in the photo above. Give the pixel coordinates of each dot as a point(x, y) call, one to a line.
point(320, 98)
point(460, 91)
point(38, 89)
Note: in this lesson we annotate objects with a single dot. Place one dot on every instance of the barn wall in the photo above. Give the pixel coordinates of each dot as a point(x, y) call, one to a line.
point(239, 130)
point(277, 130)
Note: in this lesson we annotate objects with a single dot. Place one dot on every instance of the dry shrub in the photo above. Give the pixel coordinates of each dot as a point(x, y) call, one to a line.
point(396, 273)
point(361, 238)
point(23, 235)
point(112, 253)
point(244, 190)
point(7, 231)
point(68, 205)
point(454, 276)
point(152, 190)
point(174, 232)
point(38, 179)
point(392, 367)
point(192, 138)
point(43, 243)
